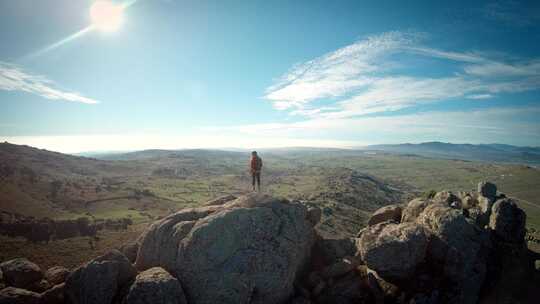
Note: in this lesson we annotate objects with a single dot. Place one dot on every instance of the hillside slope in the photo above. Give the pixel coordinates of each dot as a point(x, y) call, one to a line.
point(42, 183)
point(483, 152)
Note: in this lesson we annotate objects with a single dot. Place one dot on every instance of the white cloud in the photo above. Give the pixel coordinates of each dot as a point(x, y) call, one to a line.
point(502, 125)
point(13, 78)
point(480, 96)
point(365, 77)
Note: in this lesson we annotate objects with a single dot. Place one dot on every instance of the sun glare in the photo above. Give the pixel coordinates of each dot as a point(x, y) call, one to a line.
point(106, 16)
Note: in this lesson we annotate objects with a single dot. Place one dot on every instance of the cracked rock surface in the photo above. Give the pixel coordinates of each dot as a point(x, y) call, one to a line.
point(249, 250)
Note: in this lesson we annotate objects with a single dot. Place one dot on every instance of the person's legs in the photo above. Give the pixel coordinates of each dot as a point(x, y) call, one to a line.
point(253, 177)
point(259, 181)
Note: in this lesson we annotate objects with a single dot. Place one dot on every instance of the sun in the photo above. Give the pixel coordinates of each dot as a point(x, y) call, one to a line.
point(106, 16)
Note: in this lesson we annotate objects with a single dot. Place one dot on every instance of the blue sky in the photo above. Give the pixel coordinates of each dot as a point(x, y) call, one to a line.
point(180, 74)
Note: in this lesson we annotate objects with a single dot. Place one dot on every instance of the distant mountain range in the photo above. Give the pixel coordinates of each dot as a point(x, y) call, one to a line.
point(482, 152)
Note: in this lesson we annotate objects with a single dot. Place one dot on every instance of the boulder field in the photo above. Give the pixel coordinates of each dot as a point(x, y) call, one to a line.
point(445, 248)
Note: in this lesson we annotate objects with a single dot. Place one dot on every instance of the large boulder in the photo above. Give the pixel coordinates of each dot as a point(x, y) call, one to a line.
point(247, 250)
point(469, 202)
point(507, 220)
point(485, 204)
point(56, 275)
point(99, 281)
point(40, 286)
point(220, 200)
point(159, 243)
point(54, 295)
point(349, 289)
point(330, 251)
point(488, 190)
point(21, 273)
point(457, 250)
point(447, 198)
point(413, 209)
point(314, 215)
point(130, 251)
point(155, 285)
point(394, 251)
point(12, 295)
point(386, 213)
point(340, 268)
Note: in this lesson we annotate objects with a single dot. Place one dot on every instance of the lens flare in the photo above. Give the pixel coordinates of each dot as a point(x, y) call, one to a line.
point(106, 16)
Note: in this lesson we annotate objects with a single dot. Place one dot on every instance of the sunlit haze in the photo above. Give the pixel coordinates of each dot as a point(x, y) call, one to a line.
point(106, 16)
point(180, 74)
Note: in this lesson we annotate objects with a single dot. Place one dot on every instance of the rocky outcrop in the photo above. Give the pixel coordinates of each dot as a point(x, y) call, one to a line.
point(340, 268)
point(455, 248)
point(247, 250)
point(393, 250)
point(259, 249)
point(473, 243)
point(329, 251)
point(458, 248)
point(56, 275)
point(12, 295)
point(507, 220)
point(447, 198)
point(468, 201)
point(155, 285)
point(130, 251)
point(314, 215)
point(100, 280)
point(21, 273)
point(413, 209)
point(220, 200)
point(487, 189)
point(349, 289)
point(387, 213)
point(55, 295)
point(160, 242)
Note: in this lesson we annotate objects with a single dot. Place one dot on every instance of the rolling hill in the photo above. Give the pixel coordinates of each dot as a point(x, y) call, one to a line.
point(348, 185)
point(484, 152)
point(150, 183)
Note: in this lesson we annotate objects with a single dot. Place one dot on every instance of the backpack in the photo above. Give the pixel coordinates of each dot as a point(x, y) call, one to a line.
point(256, 163)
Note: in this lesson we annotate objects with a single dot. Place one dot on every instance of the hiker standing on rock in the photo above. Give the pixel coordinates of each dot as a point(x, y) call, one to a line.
point(255, 166)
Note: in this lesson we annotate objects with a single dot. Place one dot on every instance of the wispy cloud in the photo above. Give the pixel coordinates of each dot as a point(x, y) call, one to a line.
point(480, 96)
point(334, 74)
point(499, 69)
point(13, 78)
point(369, 76)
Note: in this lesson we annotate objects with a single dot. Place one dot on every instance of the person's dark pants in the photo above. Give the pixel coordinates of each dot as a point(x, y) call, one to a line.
point(256, 177)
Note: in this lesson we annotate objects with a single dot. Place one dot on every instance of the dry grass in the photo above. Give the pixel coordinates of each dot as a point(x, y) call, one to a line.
point(70, 252)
